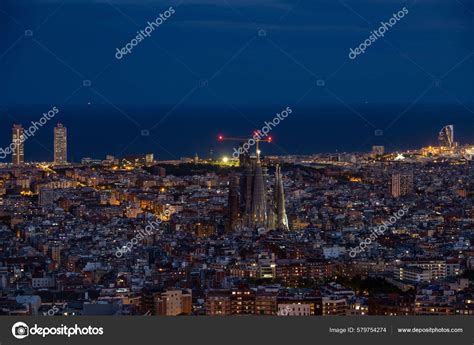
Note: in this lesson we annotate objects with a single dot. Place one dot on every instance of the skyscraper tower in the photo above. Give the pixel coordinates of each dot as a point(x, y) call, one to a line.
point(60, 144)
point(18, 154)
point(446, 136)
point(280, 208)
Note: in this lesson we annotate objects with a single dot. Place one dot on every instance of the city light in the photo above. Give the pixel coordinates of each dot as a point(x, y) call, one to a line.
point(138, 204)
point(400, 157)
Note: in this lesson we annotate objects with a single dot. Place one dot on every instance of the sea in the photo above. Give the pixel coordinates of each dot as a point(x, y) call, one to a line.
point(171, 132)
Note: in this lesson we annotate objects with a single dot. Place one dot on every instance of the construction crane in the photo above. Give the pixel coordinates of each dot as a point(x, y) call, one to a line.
point(268, 139)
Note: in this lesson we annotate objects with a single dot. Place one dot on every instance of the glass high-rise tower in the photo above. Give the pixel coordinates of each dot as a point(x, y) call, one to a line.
point(446, 136)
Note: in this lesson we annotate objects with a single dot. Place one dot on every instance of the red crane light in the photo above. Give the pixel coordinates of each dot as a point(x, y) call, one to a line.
point(269, 139)
point(220, 137)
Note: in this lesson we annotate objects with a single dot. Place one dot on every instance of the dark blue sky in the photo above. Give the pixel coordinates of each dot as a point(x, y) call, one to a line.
point(306, 40)
point(209, 55)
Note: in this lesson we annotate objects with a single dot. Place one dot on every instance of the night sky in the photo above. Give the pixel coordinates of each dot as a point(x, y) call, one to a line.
point(234, 55)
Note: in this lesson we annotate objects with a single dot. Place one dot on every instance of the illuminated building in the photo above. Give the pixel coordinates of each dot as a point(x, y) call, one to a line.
point(466, 306)
point(334, 305)
point(469, 153)
point(439, 306)
point(18, 154)
point(378, 150)
point(437, 268)
point(266, 265)
point(299, 304)
point(139, 159)
point(358, 308)
point(294, 309)
point(242, 271)
point(149, 158)
point(266, 303)
point(60, 144)
point(401, 184)
point(218, 303)
point(421, 271)
point(173, 303)
point(412, 274)
point(290, 272)
point(446, 136)
point(242, 301)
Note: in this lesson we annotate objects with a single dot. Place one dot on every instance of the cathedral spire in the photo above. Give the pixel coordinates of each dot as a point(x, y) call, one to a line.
point(282, 219)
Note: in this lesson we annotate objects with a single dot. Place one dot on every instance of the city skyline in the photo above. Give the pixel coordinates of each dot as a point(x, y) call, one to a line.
point(285, 236)
point(445, 139)
point(19, 137)
point(273, 158)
